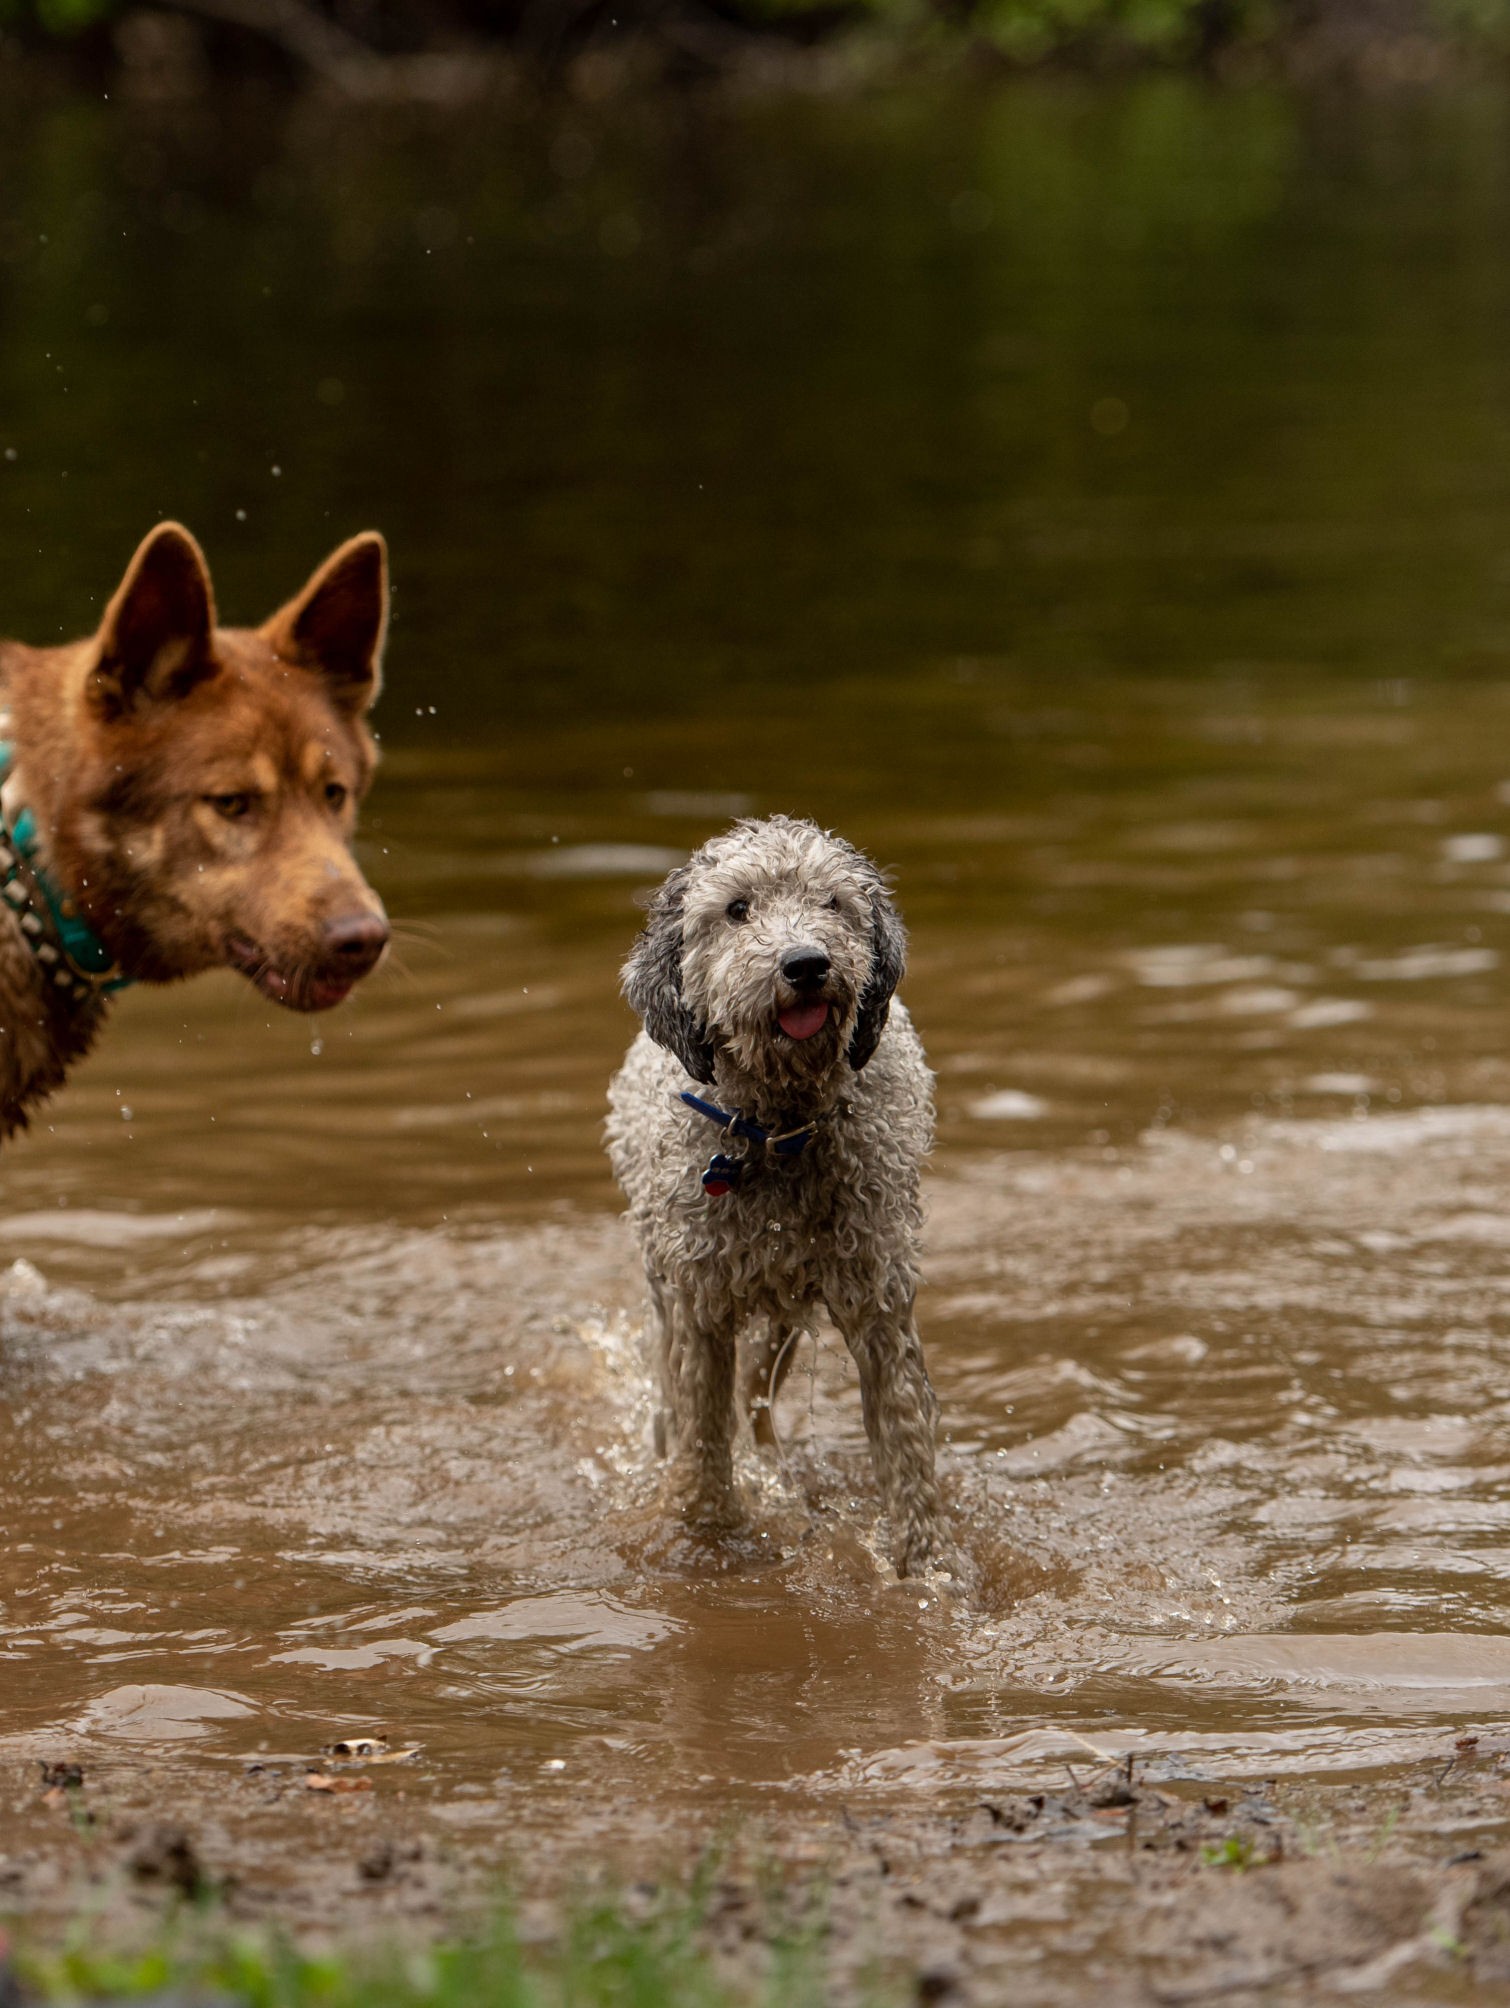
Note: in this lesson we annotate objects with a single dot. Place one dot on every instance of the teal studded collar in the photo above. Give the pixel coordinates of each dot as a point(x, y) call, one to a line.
point(74, 962)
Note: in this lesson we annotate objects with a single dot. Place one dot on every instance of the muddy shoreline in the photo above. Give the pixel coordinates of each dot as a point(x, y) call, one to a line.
point(1188, 1889)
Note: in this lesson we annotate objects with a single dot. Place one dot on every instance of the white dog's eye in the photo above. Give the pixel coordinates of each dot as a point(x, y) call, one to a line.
point(738, 909)
point(832, 902)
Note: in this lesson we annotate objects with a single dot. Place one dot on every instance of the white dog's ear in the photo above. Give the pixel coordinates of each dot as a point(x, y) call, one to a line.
point(887, 960)
point(653, 982)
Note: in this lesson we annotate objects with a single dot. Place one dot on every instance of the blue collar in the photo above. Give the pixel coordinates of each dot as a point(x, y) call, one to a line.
point(73, 959)
point(723, 1172)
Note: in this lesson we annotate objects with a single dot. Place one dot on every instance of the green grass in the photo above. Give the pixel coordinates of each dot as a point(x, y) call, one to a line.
point(603, 1957)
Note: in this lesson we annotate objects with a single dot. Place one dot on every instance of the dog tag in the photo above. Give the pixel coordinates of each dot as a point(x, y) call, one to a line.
point(721, 1175)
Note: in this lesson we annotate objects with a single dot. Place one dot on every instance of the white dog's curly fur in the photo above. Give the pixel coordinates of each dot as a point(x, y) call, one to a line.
point(779, 920)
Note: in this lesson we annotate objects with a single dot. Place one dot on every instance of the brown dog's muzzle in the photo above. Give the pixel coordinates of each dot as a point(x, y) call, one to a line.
point(347, 948)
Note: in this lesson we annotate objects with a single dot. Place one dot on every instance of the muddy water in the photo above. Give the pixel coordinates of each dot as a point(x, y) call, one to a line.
point(1117, 550)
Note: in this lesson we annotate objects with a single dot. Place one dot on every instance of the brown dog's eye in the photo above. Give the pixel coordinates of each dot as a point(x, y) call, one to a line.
point(232, 807)
point(738, 909)
point(335, 794)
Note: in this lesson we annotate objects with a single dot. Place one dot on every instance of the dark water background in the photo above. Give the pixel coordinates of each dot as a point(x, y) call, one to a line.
point(1096, 501)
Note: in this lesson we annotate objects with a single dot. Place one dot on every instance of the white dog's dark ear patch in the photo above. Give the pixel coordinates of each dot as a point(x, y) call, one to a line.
point(888, 959)
point(653, 982)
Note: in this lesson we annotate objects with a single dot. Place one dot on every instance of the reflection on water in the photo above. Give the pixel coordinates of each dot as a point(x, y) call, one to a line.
point(1121, 559)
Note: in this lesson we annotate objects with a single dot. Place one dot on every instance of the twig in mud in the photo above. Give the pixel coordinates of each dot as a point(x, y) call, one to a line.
point(1101, 1756)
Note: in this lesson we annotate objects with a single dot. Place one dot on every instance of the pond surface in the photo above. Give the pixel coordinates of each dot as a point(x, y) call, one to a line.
point(1094, 502)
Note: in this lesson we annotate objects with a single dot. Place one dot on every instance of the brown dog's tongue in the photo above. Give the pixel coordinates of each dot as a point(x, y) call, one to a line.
point(801, 1021)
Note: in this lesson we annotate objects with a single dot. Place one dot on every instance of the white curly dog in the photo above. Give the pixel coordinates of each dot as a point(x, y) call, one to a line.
point(768, 1128)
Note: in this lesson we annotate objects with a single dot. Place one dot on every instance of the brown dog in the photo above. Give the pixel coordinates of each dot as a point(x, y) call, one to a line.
point(177, 796)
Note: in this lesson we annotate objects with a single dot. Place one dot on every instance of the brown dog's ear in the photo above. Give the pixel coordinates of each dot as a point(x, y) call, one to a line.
point(155, 640)
point(337, 626)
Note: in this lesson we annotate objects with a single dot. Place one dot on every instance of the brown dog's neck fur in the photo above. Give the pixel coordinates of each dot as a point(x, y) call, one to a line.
point(42, 1033)
point(42, 694)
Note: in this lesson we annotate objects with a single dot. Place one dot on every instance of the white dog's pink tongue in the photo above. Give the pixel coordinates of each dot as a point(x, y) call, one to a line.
point(801, 1021)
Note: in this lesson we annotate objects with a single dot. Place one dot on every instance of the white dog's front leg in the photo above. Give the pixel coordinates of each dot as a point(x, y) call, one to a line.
point(699, 1379)
point(900, 1412)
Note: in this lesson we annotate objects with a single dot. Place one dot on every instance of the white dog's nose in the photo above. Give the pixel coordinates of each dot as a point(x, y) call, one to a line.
point(804, 968)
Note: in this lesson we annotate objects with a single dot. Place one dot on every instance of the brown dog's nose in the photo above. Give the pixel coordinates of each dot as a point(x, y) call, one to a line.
point(355, 941)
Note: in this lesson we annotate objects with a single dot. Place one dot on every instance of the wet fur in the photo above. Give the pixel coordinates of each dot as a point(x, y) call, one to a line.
point(124, 741)
point(835, 1228)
